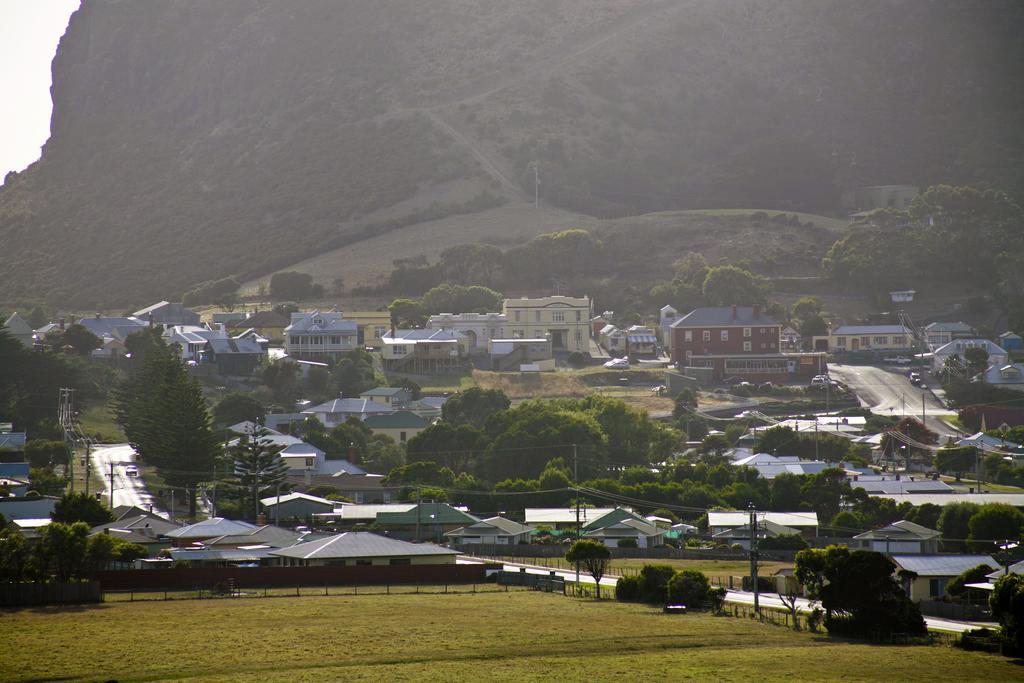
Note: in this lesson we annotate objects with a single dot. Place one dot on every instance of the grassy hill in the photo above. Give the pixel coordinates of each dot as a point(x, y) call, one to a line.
point(194, 140)
point(521, 636)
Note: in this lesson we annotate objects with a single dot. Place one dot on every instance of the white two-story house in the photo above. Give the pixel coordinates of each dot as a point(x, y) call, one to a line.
point(320, 336)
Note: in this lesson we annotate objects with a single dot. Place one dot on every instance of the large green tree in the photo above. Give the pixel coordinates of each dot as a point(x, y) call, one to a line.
point(257, 467)
point(593, 557)
point(80, 507)
point(727, 285)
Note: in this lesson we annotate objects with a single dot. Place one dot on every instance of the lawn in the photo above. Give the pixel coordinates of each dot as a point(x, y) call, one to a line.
point(492, 636)
point(97, 420)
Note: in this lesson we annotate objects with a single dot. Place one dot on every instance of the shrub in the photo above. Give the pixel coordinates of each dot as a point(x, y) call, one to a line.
point(629, 589)
point(689, 587)
point(784, 542)
point(628, 543)
point(655, 578)
point(577, 359)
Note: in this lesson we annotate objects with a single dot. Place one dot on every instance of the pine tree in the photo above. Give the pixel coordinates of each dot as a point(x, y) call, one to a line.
point(257, 467)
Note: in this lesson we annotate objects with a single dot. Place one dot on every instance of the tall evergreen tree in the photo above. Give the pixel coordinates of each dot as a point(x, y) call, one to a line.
point(257, 467)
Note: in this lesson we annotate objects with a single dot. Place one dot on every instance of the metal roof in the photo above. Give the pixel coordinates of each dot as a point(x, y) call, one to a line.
point(365, 513)
point(941, 565)
point(738, 518)
point(1014, 499)
point(273, 500)
point(901, 530)
point(564, 515)
point(723, 316)
point(499, 526)
point(349, 405)
point(871, 329)
point(209, 528)
point(359, 544)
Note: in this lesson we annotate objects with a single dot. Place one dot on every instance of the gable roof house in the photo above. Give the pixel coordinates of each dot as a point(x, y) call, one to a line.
point(902, 538)
point(1008, 376)
point(207, 529)
point(621, 524)
point(1011, 341)
point(740, 535)
point(425, 520)
point(958, 347)
point(563, 518)
point(320, 335)
point(268, 324)
point(848, 338)
point(336, 411)
point(493, 531)
point(940, 333)
point(166, 313)
point(362, 548)
point(424, 351)
point(477, 328)
point(400, 425)
point(19, 328)
point(296, 506)
point(110, 330)
point(238, 357)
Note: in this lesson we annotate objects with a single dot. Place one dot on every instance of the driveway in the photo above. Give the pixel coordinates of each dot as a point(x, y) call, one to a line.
point(888, 391)
point(112, 459)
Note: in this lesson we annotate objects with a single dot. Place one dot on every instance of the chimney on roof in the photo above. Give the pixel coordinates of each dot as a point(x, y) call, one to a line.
point(734, 311)
point(757, 310)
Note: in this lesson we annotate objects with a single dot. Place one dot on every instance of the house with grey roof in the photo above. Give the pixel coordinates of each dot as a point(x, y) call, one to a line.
point(296, 506)
point(320, 336)
point(939, 333)
point(476, 328)
point(337, 411)
point(207, 529)
point(926, 576)
point(624, 525)
point(996, 355)
point(764, 528)
point(400, 425)
point(362, 548)
point(493, 530)
point(1005, 376)
point(395, 397)
point(1011, 341)
point(167, 313)
point(804, 522)
point(27, 507)
point(426, 351)
point(235, 357)
point(19, 328)
point(901, 538)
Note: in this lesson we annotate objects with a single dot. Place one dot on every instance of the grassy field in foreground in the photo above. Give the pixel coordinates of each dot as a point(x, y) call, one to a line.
point(502, 636)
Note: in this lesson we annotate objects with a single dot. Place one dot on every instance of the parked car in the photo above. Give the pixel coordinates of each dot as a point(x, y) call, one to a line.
point(131, 471)
point(820, 380)
point(915, 378)
point(903, 360)
point(618, 363)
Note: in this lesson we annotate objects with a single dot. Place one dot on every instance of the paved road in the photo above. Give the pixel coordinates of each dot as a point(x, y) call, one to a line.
point(127, 490)
point(888, 391)
point(738, 597)
point(804, 605)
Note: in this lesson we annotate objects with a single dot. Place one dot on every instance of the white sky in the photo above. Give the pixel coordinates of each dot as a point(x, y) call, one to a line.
point(29, 33)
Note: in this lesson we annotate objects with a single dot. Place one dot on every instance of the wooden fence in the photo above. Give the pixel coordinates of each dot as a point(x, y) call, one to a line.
point(20, 594)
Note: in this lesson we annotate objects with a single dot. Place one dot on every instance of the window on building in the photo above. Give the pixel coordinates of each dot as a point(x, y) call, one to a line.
point(557, 316)
point(364, 563)
point(579, 316)
point(746, 331)
point(310, 462)
point(881, 341)
point(579, 336)
point(399, 350)
point(688, 335)
point(517, 316)
point(865, 341)
point(401, 437)
point(725, 335)
point(379, 331)
point(746, 346)
point(689, 355)
point(707, 335)
point(536, 316)
point(400, 561)
point(336, 341)
point(294, 340)
point(841, 341)
point(936, 587)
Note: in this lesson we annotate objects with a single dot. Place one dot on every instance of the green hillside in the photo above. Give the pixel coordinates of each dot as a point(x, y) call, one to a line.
point(194, 140)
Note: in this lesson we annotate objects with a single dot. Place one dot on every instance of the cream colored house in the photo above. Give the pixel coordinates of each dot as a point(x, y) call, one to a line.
point(565, 319)
point(477, 328)
point(373, 325)
point(871, 338)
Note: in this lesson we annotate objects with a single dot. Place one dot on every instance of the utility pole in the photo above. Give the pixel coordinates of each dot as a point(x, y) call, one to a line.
point(922, 407)
point(111, 484)
point(418, 511)
point(753, 557)
point(87, 465)
point(576, 490)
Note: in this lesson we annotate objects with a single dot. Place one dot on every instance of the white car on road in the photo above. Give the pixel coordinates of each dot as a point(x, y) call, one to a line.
point(618, 364)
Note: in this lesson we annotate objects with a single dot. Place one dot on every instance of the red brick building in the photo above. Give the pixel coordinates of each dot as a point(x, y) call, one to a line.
point(739, 341)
